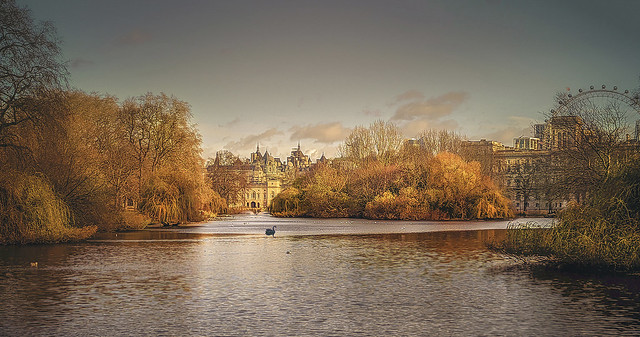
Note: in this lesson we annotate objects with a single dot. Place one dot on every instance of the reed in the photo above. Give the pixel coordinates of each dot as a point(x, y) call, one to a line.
point(588, 237)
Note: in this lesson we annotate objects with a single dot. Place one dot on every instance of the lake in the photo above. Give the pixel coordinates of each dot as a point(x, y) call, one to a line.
point(335, 277)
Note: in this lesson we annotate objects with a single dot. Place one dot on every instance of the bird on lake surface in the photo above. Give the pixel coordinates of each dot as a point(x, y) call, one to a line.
point(271, 231)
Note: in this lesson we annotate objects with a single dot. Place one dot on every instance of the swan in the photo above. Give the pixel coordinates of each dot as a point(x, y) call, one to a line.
point(271, 231)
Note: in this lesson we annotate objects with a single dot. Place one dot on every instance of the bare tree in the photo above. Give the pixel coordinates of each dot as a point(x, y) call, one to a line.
point(29, 64)
point(158, 131)
point(381, 140)
point(436, 141)
point(228, 182)
point(589, 143)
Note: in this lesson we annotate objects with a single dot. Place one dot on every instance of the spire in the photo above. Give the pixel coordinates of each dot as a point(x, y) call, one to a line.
point(258, 147)
point(298, 145)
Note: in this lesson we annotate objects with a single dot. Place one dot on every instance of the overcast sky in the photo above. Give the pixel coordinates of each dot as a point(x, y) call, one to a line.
point(279, 72)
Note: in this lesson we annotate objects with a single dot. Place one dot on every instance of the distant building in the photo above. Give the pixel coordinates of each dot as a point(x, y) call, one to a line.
point(524, 174)
point(266, 175)
point(538, 130)
point(562, 132)
point(483, 151)
point(298, 160)
point(525, 171)
point(526, 143)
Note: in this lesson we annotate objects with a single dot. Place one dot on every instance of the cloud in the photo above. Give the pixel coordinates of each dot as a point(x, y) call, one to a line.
point(323, 132)
point(416, 127)
point(234, 123)
point(506, 135)
point(80, 63)
point(433, 108)
point(248, 142)
point(134, 37)
point(409, 96)
point(515, 126)
point(372, 112)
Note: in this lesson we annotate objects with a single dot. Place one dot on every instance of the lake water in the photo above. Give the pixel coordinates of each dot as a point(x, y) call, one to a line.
point(315, 278)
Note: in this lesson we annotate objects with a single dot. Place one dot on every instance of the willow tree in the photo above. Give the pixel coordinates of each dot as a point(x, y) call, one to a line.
point(164, 147)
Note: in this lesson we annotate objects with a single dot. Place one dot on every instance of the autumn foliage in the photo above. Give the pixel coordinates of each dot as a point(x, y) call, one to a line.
point(408, 184)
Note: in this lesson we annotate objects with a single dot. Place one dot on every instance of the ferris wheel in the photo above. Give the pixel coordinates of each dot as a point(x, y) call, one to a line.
point(608, 108)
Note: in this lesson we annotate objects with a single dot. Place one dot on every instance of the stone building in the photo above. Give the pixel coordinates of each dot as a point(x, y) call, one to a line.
point(525, 171)
point(527, 143)
point(266, 176)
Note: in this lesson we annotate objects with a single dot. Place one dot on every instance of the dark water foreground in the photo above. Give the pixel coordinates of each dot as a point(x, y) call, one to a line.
point(176, 283)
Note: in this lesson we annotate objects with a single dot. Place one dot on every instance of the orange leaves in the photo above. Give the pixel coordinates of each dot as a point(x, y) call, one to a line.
point(440, 187)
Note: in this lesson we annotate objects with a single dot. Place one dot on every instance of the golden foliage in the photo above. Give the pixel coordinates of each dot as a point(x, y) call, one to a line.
point(420, 187)
point(31, 212)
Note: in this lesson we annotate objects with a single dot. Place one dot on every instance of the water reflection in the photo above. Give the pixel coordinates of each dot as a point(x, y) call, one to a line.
point(439, 283)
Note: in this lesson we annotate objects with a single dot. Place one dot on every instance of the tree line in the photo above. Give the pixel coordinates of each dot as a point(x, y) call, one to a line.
point(380, 176)
point(72, 163)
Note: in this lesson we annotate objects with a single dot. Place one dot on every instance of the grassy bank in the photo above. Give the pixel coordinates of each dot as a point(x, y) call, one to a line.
point(594, 238)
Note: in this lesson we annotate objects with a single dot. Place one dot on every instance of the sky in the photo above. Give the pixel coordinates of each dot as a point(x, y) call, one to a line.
point(276, 73)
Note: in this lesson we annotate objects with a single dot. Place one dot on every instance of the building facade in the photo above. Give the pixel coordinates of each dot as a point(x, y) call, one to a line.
point(526, 171)
point(266, 176)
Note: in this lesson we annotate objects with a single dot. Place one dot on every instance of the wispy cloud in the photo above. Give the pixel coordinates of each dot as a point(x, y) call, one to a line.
point(514, 126)
point(234, 123)
point(248, 142)
point(323, 132)
point(134, 37)
point(433, 108)
point(416, 127)
point(410, 95)
point(414, 113)
point(372, 112)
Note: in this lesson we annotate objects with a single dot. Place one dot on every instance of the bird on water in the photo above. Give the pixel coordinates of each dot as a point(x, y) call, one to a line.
point(271, 231)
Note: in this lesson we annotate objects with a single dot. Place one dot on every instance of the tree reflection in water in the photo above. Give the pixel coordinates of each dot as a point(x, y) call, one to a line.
point(383, 284)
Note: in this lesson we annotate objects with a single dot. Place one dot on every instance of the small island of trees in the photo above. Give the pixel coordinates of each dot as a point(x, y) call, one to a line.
point(380, 176)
